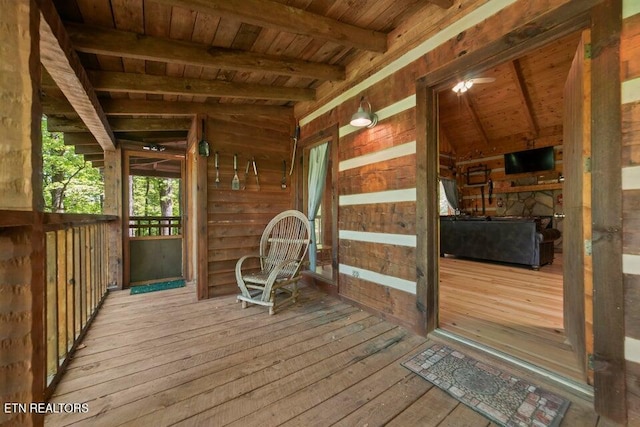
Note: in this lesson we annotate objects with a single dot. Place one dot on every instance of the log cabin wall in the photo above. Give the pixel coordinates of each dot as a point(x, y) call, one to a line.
point(21, 248)
point(377, 193)
point(237, 218)
point(630, 77)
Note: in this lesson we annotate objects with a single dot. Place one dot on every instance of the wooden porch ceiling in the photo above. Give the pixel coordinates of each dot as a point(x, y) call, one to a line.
point(220, 57)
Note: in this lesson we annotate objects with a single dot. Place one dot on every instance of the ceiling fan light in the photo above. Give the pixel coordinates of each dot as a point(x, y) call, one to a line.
point(458, 87)
point(468, 84)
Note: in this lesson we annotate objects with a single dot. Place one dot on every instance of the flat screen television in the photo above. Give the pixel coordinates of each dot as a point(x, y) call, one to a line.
point(536, 160)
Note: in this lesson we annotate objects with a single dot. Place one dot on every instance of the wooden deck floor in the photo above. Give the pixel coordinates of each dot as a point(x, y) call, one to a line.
point(164, 359)
point(512, 309)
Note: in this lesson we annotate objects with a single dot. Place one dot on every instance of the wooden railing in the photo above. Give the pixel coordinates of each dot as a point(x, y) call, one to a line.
point(140, 226)
point(76, 265)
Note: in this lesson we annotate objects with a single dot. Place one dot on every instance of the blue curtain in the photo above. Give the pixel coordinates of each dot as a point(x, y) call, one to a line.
point(318, 161)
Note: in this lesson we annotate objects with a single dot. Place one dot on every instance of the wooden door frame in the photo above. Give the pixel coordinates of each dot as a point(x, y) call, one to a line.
point(126, 167)
point(608, 306)
point(330, 134)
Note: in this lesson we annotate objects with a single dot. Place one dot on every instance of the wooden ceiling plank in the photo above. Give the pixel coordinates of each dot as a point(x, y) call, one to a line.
point(286, 18)
point(167, 85)
point(472, 110)
point(63, 64)
point(444, 4)
point(61, 124)
point(115, 107)
point(523, 94)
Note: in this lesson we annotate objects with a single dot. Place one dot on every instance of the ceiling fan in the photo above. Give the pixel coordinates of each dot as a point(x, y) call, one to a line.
point(464, 85)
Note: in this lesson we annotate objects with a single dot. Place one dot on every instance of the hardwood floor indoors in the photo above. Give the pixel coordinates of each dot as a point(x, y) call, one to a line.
point(512, 309)
point(165, 359)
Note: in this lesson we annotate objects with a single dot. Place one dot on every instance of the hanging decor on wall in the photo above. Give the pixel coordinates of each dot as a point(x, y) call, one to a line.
point(203, 145)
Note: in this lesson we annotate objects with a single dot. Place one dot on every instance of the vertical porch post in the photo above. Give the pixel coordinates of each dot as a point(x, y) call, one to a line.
point(21, 248)
point(113, 193)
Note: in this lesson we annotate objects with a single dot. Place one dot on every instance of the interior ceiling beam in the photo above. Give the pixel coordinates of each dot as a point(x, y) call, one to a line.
point(523, 94)
point(281, 17)
point(63, 64)
point(62, 124)
point(165, 85)
point(104, 41)
point(472, 110)
point(126, 107)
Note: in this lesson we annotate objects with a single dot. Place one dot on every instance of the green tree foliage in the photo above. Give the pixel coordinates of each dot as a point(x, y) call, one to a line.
point(69, 183)
point(155, 196)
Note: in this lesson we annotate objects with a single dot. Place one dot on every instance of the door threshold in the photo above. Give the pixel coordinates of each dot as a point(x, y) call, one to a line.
point(582, 390)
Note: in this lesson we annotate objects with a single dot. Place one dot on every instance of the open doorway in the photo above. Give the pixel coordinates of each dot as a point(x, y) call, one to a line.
point(502, 268)
point(316, 197)
point(154, 249)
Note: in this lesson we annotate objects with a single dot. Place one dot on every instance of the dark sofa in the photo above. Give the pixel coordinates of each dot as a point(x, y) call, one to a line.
point(510, 240)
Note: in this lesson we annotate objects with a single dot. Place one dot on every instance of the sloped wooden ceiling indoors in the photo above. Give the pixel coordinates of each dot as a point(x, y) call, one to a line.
point(150, 61)
point(524, 103)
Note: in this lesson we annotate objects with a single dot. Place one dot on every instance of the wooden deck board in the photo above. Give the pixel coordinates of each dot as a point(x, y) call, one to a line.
point(318, 362)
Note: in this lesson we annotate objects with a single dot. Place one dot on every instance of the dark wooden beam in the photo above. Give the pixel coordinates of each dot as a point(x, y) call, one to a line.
point(63, 64)
point(167, 85)
point(153, 136)
point(92, 157)
point(105, 41)
point(281, 17)
point(77, 138)
point(88, 149)
point(127, 107)
point(61, 124)
point(523, 94)
point(472, 110)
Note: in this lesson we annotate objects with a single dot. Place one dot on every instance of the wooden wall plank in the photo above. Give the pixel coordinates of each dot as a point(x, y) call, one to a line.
point(386, 302)
point(394, 218)
point(392, 260)
point(236, 219)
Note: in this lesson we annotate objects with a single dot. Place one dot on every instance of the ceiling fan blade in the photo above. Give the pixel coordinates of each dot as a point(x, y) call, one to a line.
point(483, 80)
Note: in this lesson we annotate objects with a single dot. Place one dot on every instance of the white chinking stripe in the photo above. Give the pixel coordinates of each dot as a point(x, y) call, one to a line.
point(385, 113)
point(630, 264)
point(632, 349)
point(630, 8)
point(631, 91)
point(631, 178)
point(384, 238)
point(391, 196)
point(471, 19)
point(396, 151)
point(380, 279)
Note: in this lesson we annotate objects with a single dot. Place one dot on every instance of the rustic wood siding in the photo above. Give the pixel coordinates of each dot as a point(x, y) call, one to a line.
point(21, 266)
point(377, 197)
point(236, 219)
point(630, 77)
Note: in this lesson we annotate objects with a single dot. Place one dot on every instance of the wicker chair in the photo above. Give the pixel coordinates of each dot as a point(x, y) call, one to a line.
point(283, 247)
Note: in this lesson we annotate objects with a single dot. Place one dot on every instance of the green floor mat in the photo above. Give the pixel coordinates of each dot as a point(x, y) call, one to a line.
point(160, 286)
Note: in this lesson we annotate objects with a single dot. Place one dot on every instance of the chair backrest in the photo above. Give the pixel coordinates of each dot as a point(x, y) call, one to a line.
point(287, 236)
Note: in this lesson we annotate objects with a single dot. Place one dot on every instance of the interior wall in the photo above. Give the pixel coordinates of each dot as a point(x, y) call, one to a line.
point(630, 70)
point(237, 218)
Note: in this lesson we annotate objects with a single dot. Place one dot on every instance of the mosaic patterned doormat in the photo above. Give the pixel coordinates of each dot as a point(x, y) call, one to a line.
point(503, 398)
